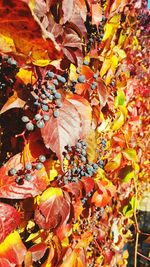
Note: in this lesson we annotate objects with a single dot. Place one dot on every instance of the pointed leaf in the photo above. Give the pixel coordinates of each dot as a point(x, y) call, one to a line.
point(9, 220)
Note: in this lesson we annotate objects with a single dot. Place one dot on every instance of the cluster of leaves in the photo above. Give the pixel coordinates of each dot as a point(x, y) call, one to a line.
point(74, 136)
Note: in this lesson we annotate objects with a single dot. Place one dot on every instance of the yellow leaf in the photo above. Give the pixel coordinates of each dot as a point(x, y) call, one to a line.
point(120, 52)
point(65, 242)
point(50, 192)
point(91, 145)
point(114, 62)
point(26, 76)
point(108, 31)
point(12, 245)
point(114, 164)
point(120, 118)
point(106, 65)
point(105, 126)
point(6, 44)
point(53, 174)
point(36, 237)
point(120, 98)
point(41, 62)
point(122, 38)
point(130, 154)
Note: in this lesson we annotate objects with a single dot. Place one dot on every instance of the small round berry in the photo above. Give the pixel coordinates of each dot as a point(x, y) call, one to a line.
point(40, 124)
point(46, 117)
point(42, 158)
point(28, 166)
point(57, 95)
point(51, 97)
point(95, 75)
point(50, 74)
point(39, 166)
point(58, 103)
point(45, 107)
point(38, 117)
point(81, 79)
point(61, 78)
point(28, 177)
point(43, 96)
point(56, 113)
point(25, 119)
point(12, 171)
point(55, 81)
point(83, 159)
point(93, 86)
point(19, 180)
point(30, 126)
point(85, 62)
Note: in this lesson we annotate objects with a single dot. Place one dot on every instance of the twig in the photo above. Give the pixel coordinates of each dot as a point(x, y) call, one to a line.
point(135, 250)
point(144, 257)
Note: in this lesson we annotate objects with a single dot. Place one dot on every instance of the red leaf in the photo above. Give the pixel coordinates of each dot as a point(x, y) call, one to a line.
point(9, 220)
point(67, 9)
point(27, 32)
point(88, 183)
point(10, 189)
point(6, 263)
point(13, 102)
point(103, 195)
point(38, 251)
point(73, 123)
point(53, 210)
point(13, 249)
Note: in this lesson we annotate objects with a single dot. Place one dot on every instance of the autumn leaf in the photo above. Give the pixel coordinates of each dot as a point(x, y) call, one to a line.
point(13, 102)
point(9, 220)
point(96, 11)
point(53, 210)
point(9, 188)
point(38, 251)
point(13, 249)
point(104, 194)
point(26, 31)
point(70, 125)
point(114, 163)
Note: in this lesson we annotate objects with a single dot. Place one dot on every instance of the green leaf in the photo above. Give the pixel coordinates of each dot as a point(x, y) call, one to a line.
point(120, 98)
point(130, 154)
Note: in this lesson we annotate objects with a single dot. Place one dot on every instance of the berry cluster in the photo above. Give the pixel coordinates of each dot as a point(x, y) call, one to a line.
point(26, 172)
point(94, 34)
point(92, 82)
point(47, 96)
point(8, 71)
point(78, 164)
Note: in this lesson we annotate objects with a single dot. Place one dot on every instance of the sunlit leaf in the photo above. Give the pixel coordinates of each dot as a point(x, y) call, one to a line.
point(13, 249)
point(9, 220)
point(114, 163)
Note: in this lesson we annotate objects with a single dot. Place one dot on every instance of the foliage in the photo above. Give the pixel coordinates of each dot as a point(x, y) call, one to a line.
point(74, 138)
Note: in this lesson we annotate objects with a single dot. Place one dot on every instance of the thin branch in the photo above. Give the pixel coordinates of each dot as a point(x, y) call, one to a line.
point(144, 257)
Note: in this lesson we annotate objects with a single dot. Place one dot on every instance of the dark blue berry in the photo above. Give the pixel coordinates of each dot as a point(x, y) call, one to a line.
point(81, 79)
point(55, 81)
point(40, 124)
point(30, 126)
point(38, 117)
point(57, 95)
point(28, 166)
point(95, 75)
point(39, 166)
point(85, 62)
point(12, 171)
point(46, 117)
point(25, 119)
point(28, 177)
point(56, 113)
point(45, 107)
point(42, 158)
point(50, 74)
